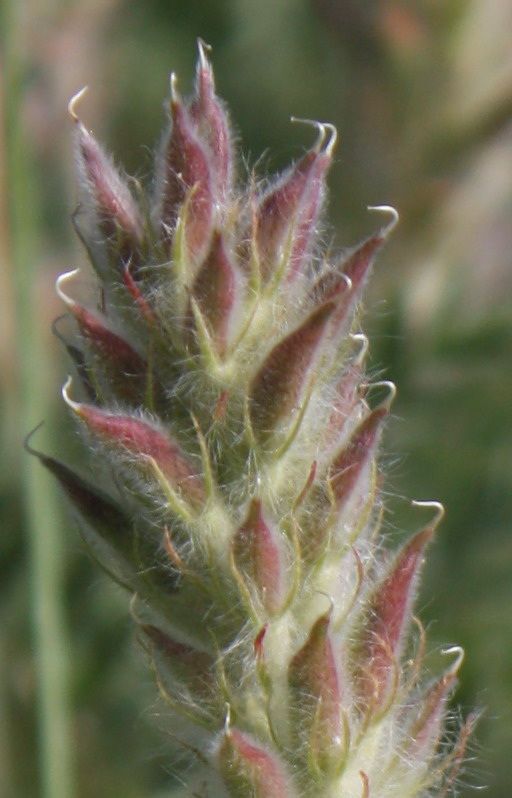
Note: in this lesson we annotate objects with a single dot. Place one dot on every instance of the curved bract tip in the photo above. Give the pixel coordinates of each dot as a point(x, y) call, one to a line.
point(203, 49)
point(459, 658)
point(173, 82)
point(327, 134)
point(432, 505)
point(61, 279)
point(362, 340)
point(75, 406)
point(387, 229)
point(74, 102)
point(388, 401)
point(26, 440)
point(55, 327)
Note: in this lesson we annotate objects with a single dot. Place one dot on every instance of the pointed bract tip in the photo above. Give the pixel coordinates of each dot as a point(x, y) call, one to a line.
point(173, 83)
point(361, 339)
point(348, 282)
point(326, 133)
point(204, 49)
point(74, 102)
point(390, 226)
point(75, 406)
point(432, 505)
point(389, 399)
point(55, 328)
point(63, 278)
point(459, 658)
point(26, 440)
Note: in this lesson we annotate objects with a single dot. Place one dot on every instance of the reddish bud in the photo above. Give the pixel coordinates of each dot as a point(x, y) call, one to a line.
point(348, 393)
point(126, 369)
point(185, 182)
point(388, 614)
point(212, 125)
point(96, 508)
point(426, 730)
point(141, 303)
point(286, 216)
point(349, 463)
point(216, 290)
point(107, 193)
point(316, 694)
point(258, 559)
point(143, 442)
point(356, 265)
point(344, 282)
point(276, 389)
point(110, 533)
point(249, 769)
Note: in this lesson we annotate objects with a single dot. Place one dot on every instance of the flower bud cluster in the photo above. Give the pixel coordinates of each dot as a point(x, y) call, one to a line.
point(220, 390)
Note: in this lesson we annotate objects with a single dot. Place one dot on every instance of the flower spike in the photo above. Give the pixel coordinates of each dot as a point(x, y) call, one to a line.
point(236, 488)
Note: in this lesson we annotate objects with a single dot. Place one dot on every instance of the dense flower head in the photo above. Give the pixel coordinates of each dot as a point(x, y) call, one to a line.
point(220, 389)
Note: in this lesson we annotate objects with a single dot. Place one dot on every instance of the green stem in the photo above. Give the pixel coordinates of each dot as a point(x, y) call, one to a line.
point(42, 516)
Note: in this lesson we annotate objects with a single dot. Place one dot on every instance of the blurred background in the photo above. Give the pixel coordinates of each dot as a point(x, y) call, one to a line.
point(421, 93)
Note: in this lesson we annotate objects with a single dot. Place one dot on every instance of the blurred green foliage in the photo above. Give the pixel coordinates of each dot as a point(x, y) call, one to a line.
point(422, 96)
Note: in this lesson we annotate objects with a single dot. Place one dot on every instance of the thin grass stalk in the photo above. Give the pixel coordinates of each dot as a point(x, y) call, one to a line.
point(43, 526)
